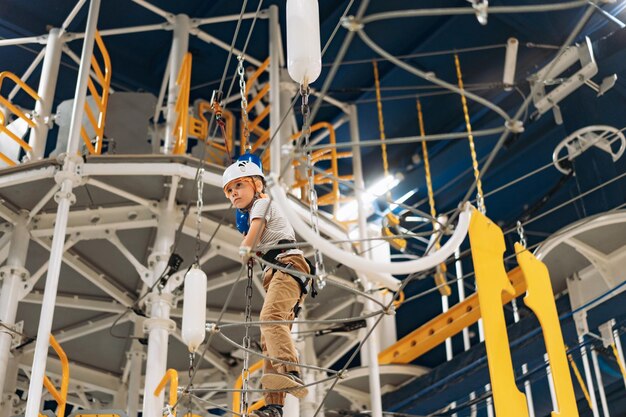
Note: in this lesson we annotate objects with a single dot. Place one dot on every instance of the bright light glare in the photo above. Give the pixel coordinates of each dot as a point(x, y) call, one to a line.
point(402, 199)
point(349, 210)
point(380, 188)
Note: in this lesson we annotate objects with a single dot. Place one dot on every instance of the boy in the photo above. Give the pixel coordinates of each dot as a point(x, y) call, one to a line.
point(244, 184)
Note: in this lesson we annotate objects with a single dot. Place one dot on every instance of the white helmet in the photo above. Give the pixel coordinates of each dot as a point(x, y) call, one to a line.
point(241, 169)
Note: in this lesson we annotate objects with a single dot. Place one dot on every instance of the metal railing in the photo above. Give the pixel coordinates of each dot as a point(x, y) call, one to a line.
point(59, 397)
point(257, 366)
point(254, 126)
point(171, 376)
point(331, 175)
point(17, 112)
point(181, 126)
point(101, 98)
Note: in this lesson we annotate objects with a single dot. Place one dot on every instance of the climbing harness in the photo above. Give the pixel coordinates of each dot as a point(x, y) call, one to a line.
point(245, 371)
point(320, 271)
point(480, 200)
point(307, 285)
point(440, 273)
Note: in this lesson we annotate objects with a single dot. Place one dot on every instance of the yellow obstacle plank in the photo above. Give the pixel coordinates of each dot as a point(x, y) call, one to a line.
point(487, 242)
point(540, 299)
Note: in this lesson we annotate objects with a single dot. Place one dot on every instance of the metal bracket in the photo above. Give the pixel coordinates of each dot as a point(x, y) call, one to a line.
point(165, 324)
point(600, 136)
point(580, 55)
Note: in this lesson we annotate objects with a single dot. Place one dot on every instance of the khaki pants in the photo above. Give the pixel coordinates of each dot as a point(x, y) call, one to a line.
point(282, 294)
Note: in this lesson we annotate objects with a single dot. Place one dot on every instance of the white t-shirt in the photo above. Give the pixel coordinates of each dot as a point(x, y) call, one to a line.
point(277, 227)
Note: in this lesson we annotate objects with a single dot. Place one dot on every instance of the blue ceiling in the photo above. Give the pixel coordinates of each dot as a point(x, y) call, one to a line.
point(139, 61)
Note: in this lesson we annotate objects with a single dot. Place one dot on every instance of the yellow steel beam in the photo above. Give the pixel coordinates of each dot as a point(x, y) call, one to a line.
point(445, 325)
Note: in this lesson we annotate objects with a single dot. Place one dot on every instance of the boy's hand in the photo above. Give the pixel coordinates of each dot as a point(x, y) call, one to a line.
point(245, 253)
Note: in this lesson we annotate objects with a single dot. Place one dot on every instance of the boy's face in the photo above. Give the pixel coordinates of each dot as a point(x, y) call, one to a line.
point(240, 192)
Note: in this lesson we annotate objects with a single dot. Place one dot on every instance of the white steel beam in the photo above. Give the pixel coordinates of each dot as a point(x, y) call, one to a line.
point(29, 175)
point(113, 218)
point(78, 302)
point(74, 332)
point(96, 277)
point(90, 379)
point(122, 193)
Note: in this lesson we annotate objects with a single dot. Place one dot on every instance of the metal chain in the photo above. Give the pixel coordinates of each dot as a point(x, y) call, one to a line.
point(199, 207)
point(189, 390)
point(245, 372)
point(522, 235)
point(480, 199)
point(320, 270)
point(244, 103)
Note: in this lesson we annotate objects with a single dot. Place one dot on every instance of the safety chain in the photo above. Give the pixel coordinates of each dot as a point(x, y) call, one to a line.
point(480, 199)
point(320, 270)
point(521, 233)
point(245, 372)
point(192, 359)
point(199, 207)
point(244, 103)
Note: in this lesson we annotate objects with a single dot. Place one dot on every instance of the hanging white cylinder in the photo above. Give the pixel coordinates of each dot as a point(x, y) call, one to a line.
point(194, 309)
point(304, 56)
point(510, 63)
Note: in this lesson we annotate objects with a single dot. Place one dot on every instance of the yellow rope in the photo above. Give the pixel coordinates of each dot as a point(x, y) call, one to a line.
point(429, 182)
point(440, 274)
point(381, 121)
point(580, 379)
point(619, 361)
point(470, 137)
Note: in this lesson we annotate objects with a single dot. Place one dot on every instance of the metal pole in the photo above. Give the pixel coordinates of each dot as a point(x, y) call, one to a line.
point(10, 399)
point(458, 266)
point(458, 269)
point(618, 346)
point(69, 178)
point(481, 337)
point(13, 275)
point(180, 45)
point(371, 344)
point(444, 308)
point(275, 104)
point(47, 87)
point(555, 404)
point(136, 357)
point(596, 368)
point(159, 325)
point(590, 388)
point(527, 386)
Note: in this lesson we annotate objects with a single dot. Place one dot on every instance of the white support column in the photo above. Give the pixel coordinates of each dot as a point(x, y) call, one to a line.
point(69, 177)
point(10, 399)
point(47, 88)
point(371, 345)
point(12, 275)
point(159, 303)
point(596, 368)
point(527, 386)
point(589, 378)
point(136, 356)
point(180, 45)
point(275, 89)
point(618, 347)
